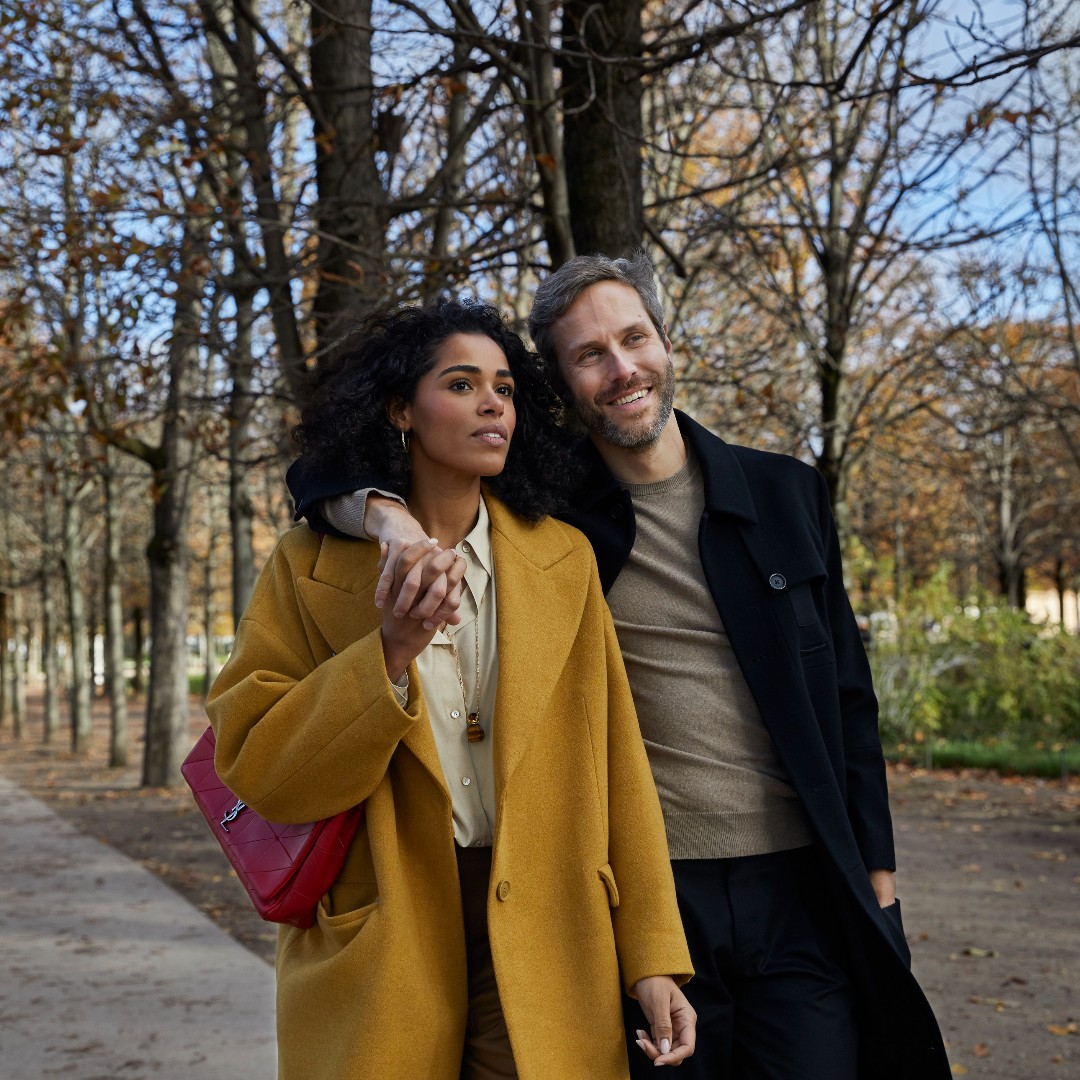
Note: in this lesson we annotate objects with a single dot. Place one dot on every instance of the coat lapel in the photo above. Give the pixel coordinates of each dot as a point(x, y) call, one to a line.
point(540, 602)
point(339, 599)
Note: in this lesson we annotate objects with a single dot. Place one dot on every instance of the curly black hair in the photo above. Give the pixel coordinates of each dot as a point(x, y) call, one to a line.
point(345, 432)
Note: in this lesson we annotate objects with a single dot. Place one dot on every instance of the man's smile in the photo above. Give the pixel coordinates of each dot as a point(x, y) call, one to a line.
point(634, 395)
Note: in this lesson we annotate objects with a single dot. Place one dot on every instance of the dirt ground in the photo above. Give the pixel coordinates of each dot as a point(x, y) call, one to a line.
point(989, 883)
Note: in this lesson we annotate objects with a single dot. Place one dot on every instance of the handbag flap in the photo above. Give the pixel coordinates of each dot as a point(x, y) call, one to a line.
point(286, 869)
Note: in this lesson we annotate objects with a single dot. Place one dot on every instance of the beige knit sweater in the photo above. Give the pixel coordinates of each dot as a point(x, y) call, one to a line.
point(722, 789)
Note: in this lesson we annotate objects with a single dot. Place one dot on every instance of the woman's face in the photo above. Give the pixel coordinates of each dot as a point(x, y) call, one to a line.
point(462, 415)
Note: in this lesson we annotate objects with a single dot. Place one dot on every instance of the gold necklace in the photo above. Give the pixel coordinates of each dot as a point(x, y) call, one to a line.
point(474, 730)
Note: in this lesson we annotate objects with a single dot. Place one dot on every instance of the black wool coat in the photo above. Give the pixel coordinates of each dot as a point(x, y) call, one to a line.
point(771, 558)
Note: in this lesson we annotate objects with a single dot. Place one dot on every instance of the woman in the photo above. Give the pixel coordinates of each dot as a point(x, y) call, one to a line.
point(512, 865)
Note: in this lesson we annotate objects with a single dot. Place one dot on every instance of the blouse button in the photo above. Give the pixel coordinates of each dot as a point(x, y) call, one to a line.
point(455, 713)
point(466, 781)
point(503, 891)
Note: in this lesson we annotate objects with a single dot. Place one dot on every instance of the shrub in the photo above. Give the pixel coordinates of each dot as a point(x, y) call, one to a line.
point(978, 672)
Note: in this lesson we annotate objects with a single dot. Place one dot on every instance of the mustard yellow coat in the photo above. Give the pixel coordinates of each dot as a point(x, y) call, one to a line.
point(581, 889)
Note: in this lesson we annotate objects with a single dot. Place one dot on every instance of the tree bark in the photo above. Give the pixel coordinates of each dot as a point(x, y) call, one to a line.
point(167, 727)
point(602, 126)
point(20, 638)
point(241, 511)
point(5, 676)
point(49, 616)
point(539, 106)
point(114, 620)
point(138, 648)
point(351, 204)
point(79, 690)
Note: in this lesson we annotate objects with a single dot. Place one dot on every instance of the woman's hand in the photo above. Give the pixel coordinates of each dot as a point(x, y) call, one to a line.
point(672, 1020)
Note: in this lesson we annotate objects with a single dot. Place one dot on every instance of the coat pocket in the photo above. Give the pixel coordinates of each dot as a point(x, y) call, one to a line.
point(608, 878)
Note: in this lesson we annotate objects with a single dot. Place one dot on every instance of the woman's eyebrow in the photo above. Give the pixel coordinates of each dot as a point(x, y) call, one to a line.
point(472, 369)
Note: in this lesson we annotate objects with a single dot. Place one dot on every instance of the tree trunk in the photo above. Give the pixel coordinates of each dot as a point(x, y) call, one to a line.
point(241, 512)
point(208, 597)
point(138, 648)
point(1061, 587)
point(602, 127)
point(49, 616)
point(351, 204)
point(93, 623)
point(79, 690)
point(167, 727)
point(538, 105)
point(5, 674)
point(19, 639)
point(114, 621)
point(439, 272)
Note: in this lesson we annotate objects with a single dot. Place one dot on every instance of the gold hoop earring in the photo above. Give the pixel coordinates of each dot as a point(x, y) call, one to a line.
point(405, 441)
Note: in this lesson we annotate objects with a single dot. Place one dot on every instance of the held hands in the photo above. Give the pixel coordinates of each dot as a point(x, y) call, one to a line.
point(403, 638)
point(672, 1021)
point(418, 579)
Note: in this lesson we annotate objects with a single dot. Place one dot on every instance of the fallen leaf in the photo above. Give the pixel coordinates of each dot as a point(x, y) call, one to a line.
point(1063, 1029)
point(971, 868)
point(978, 954)
point(1049, 856)
point(959, 1070)
point(980, 1050)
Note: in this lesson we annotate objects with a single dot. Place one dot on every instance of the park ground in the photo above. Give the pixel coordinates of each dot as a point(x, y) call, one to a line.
point(989, 883)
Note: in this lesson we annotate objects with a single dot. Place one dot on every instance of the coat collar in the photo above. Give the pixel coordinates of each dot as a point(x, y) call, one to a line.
point(726, 489)
point(541, 599)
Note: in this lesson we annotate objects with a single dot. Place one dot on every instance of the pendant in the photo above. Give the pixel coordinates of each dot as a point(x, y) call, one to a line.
point(473, 731)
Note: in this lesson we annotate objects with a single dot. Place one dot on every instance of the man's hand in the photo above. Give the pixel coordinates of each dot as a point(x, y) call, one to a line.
point(424, 579)
point(672, 1021)
point(403, 639)
point(883, 883)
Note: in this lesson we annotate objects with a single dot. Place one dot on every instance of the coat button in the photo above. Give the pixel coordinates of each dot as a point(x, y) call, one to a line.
point(503, 891)
point(778, 581)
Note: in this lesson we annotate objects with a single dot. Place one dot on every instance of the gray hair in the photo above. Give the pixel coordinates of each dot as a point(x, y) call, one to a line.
point(558, 292)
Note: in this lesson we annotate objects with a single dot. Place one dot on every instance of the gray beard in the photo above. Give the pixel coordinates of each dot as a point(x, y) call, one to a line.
point(601, 427)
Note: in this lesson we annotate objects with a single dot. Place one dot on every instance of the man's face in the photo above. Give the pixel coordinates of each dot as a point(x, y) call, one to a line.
point(616, 365)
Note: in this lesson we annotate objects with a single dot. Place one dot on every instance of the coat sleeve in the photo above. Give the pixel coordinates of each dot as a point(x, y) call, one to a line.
point(864, 762)
point(649, 938)
point(299, 740)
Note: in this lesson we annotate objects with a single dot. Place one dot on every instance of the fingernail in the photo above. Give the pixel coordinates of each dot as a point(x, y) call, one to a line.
point(378, 603)
point(665, 1046)
point(639, 1033)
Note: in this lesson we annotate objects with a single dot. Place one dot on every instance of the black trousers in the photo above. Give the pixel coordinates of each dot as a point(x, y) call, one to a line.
point(771, 992)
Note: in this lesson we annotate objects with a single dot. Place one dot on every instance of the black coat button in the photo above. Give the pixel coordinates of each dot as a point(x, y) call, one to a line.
point(778, 581)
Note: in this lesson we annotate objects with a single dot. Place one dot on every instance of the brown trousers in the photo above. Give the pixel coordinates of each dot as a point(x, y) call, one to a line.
point(487, 1054)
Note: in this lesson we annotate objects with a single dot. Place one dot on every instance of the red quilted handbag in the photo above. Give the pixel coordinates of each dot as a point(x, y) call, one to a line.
point(286, 869)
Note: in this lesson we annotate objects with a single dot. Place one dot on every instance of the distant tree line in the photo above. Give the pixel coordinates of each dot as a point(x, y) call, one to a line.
point(864, 218)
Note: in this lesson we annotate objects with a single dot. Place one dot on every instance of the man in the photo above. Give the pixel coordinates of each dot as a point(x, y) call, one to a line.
point(722, 569)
